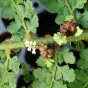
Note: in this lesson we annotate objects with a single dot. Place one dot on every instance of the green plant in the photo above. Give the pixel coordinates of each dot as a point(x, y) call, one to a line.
point(54, 69)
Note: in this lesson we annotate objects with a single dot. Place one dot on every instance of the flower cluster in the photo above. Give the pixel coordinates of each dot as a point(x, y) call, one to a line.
point(49, 62)
point(78, 32)
point(46, 50)
point(59, 38)
point(31, 46)
point(69, 18)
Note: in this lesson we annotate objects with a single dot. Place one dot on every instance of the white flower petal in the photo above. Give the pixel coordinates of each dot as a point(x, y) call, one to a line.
point(33, 51)
point(29, 48)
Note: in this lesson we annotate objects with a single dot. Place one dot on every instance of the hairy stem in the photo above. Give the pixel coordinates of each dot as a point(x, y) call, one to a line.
point(47, 39)
point(83, 36)
point(54, 72)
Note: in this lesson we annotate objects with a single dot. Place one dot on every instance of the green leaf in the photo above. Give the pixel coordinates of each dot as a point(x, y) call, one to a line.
point(40, 61)
point(1, 82)
point(40, 74)
point(34, 21)
point(29, 10)
point(87, 86)
point(23, 87)
point(19, 36)
point(5, 86)
point(16, 37)
point(45, 1)
point(78, 16)
point(81, 76)
point(17, 19)
point(2, 70)
point(48, 79)
point(13, 27)
point(14, 65)
point(11, 79)
point(21, 10)
point(84, 21)
point(2, 54)
point(79, 3)
point(68, 74)
point(65, 50)
point(60, 19)
point(84, 54)
point(55, 6)
point(28, 78)
point(83, 64)
point(86, 6)
point(59, 85)
point(58, 73)
point(4, 3)
point(18, 1)
point(75, 84)
point(51, 68)
point(69, 58)
point(60, 58)
point(82, 18)
point(65, 11)
point(61, 7)
point(62, 15)
point(8, 12)
point(25, 69)
point(37, 84)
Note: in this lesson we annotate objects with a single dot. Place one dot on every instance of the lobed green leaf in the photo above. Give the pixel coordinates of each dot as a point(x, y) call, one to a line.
point(14, 65)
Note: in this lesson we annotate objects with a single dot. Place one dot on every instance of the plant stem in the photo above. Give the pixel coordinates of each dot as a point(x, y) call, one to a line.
point(53, 75)
point(54, 72)
point(47, 39)
point(83, 36)
point(12, 46)
point(17, 45)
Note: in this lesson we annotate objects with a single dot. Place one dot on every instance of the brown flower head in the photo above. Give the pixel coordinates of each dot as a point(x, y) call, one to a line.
point(68, 28)
point(46, 50)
